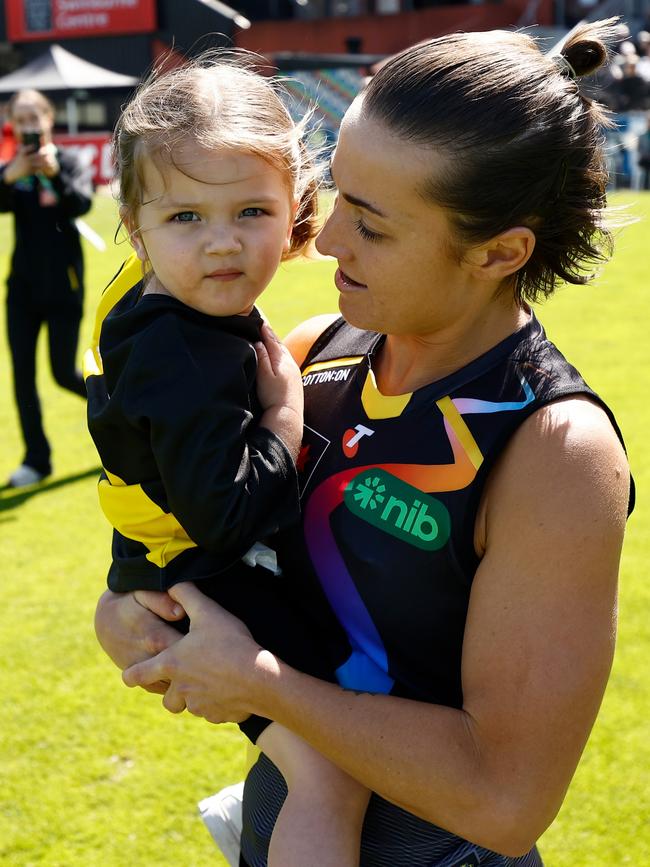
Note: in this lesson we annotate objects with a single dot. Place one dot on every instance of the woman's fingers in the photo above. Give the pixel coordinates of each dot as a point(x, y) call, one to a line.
point(161, 604)
point(128, 631)
point(174, 701)
point(148, 672)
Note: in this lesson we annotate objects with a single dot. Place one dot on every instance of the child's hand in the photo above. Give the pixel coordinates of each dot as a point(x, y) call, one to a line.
point(278, 377)
point(279, 389)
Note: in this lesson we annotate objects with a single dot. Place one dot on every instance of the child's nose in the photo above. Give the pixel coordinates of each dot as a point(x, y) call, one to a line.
point(222, 241)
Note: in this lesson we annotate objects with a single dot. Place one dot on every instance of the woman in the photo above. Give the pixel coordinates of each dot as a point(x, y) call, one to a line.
point(45, 188)
point(464, 491)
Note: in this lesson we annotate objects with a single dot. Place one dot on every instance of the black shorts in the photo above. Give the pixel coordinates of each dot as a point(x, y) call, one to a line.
point(391, 837)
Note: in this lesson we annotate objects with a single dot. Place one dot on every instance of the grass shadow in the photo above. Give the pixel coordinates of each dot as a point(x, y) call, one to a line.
point(18, 496)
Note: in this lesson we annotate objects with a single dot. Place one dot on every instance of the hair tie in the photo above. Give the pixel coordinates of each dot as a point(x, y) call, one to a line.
point(564, 67)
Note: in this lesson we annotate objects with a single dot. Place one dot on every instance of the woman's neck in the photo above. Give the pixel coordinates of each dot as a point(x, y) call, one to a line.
point(407, 362)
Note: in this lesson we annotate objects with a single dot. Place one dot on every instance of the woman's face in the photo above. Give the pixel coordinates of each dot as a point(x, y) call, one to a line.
point(30, 116)
point(397, 270)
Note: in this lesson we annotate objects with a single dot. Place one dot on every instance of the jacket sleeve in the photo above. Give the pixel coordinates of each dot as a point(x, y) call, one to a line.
point(6, 192)
point(73, 185)
point(228, 481)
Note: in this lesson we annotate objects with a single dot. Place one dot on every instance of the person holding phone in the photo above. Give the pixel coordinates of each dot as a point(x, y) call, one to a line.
point(45, 188)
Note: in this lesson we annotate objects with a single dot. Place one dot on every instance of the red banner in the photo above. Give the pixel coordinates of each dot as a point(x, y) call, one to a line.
point(94, 148)
point(64, 19)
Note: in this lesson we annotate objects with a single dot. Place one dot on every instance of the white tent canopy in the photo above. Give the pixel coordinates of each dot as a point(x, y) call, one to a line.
point(58, 69)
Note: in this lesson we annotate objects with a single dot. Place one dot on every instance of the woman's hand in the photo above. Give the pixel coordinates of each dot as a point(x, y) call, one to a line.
point(22, 165)
point(29, 162)
point(279, 389)
point(207, 669)
point(131, 627)
point(45, 161)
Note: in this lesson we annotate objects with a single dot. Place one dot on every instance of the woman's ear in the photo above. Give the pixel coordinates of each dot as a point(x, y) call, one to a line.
point(503, 255)
point(135, 238)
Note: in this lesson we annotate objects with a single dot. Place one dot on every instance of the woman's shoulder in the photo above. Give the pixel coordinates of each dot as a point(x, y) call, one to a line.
point(301, 338)
point(568, 456)
point(328, 337)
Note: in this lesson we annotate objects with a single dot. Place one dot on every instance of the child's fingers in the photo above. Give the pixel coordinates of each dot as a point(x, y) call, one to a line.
point(274, 349)
point(263, 361)
point(268, 332)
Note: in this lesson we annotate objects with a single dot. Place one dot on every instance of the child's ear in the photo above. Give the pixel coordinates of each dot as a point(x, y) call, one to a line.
point(134, 235)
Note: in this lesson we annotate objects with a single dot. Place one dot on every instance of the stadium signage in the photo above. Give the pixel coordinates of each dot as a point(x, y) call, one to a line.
point(29, 20)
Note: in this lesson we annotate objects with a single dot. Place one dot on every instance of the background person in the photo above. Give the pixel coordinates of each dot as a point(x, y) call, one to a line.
point(45, 188)
point(464, 491)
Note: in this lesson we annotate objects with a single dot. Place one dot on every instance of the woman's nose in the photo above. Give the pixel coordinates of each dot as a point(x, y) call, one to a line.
point(331, 240)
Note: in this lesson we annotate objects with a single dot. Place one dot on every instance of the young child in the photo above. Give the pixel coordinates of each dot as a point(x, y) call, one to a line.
point(216, 189)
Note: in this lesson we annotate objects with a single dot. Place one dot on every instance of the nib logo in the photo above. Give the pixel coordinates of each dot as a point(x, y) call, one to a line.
point(397, 508)
point(370, 492)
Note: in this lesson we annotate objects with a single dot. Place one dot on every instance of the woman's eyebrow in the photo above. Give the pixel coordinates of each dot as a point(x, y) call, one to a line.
point(354, 200)
point(360, 203)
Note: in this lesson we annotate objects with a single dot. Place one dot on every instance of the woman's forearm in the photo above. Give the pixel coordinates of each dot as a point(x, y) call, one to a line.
point(425, 758)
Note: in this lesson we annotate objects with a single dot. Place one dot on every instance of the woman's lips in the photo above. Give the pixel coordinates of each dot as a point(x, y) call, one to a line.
point(345, 283)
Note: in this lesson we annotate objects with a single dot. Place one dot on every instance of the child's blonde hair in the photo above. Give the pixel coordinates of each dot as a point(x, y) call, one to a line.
point(220, 102)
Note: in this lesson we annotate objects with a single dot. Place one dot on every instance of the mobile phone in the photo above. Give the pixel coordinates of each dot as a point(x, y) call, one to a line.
point(32, 140)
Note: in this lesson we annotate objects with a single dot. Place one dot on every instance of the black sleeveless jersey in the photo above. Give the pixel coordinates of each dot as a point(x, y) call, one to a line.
point(390, 492)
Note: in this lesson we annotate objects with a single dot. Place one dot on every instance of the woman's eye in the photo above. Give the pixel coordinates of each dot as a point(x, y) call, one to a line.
point(252, 212)
point(366, 233)
point(185, 217)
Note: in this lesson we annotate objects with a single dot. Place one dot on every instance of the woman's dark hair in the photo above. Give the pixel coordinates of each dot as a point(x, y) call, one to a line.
point(519, 143)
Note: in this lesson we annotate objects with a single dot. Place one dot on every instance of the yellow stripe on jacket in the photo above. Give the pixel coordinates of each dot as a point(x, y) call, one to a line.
point(129, 274)
point(135, 515)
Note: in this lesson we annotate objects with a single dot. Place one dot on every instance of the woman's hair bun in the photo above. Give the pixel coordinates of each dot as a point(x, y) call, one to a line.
point(586, 48)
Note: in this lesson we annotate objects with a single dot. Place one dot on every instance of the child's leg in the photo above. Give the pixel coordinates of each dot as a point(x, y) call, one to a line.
point(320, 822)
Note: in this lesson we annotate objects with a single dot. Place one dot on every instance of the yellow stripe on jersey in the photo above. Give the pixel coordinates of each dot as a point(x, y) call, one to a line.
point(136, 516)
point(467, 441)
point(378, 405)
point(337, 362)
point(128, 276)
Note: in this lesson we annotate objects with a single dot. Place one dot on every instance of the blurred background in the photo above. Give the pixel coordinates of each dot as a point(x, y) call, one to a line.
point(87, 55)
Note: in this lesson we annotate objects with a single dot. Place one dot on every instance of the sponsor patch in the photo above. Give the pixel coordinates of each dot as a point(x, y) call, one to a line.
point(398, 508)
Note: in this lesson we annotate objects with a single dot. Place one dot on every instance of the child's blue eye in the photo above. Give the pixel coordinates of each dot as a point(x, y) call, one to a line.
point(185, 217)
point(252, 212)
point(366, 233)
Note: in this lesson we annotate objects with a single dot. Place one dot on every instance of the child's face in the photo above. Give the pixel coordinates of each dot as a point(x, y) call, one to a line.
point(213, 243)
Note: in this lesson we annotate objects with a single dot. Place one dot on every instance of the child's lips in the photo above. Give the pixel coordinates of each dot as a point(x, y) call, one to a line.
point(225, 275)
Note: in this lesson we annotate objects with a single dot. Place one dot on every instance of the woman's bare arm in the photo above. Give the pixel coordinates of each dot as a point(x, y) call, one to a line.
point(538, 648)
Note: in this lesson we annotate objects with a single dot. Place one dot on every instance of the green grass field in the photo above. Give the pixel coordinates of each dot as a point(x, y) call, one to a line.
point(92, 773)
